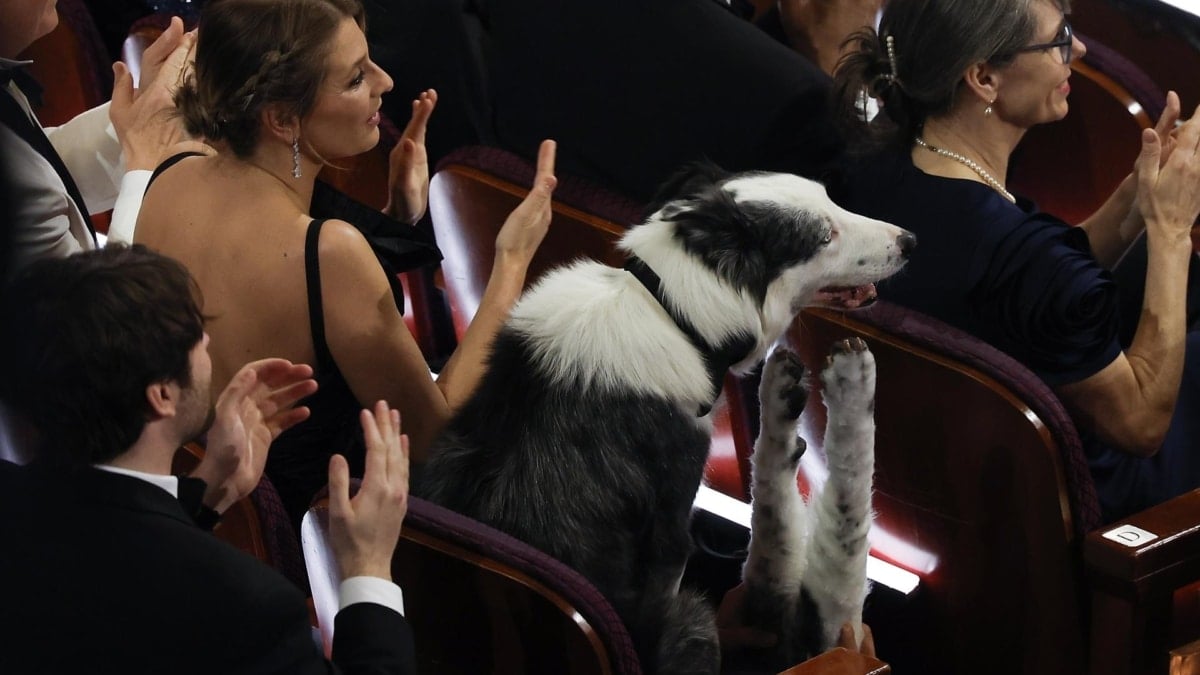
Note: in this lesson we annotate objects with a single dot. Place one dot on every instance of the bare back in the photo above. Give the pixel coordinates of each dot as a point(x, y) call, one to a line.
point(242, 239)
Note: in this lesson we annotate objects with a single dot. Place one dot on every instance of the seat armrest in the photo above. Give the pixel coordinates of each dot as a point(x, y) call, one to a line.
point(840, 661)
point(1167, 557)
point(1134, 568)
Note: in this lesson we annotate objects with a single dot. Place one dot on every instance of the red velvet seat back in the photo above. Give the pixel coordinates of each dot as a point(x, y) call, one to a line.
point(980, 489)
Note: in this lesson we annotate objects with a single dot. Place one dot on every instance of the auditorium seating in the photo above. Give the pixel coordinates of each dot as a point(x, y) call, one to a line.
point(981, 489)
point(480, 601)
point(472, 193)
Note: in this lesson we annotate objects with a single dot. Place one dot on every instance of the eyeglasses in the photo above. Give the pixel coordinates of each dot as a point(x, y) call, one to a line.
point(1063, 42)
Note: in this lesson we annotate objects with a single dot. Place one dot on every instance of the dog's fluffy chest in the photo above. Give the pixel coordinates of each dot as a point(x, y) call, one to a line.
point(596, 326)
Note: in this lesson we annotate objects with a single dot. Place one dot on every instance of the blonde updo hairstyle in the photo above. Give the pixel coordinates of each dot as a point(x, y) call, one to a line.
point(251, 54)
point(933, 43)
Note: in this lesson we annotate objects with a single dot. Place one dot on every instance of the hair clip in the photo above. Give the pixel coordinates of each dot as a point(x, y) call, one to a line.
point(891, 54)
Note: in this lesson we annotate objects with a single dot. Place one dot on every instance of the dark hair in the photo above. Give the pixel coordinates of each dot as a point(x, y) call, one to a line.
point(934, 41)
point(255, 53)
point(84, 336)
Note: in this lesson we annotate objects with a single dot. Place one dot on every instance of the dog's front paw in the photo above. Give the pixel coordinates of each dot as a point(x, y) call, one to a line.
point(782, 393)
point(849, 378)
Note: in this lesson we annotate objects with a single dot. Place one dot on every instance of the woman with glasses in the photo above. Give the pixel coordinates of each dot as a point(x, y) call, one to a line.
point(958, 85)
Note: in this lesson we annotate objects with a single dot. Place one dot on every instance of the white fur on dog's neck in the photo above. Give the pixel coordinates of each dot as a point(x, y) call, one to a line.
point(603, 329)
point(715, 309)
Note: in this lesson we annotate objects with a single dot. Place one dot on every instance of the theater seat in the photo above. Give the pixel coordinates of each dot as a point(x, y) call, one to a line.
point(982, 490)
point(258, 525)
point(480, 601)
point(471, 194)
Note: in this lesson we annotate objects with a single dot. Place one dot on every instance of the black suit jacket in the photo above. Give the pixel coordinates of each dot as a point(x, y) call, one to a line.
point(105, 573)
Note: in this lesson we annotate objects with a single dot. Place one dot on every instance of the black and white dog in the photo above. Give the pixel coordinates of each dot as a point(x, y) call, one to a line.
point(589, 432)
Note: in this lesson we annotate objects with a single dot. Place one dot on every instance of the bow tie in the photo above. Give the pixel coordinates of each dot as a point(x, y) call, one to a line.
point(25, 82)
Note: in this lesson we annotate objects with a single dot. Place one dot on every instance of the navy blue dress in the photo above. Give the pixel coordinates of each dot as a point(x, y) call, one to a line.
point(1025, 282)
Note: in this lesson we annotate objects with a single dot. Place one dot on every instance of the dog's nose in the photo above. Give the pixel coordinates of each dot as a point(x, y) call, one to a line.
point(907, 242)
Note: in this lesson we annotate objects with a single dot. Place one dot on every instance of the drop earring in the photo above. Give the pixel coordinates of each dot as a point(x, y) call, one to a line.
point(987, 112)
point(295, 156)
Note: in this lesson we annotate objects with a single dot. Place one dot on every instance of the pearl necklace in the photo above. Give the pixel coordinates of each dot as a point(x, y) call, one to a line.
point(970, 164)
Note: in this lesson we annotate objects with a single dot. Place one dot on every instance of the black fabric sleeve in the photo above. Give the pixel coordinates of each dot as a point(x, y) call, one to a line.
point(370, 639)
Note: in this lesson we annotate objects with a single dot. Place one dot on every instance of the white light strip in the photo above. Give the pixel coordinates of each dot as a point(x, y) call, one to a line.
point(738, 512)
point(898, 579)
point(721, 504)
point(1189, 6)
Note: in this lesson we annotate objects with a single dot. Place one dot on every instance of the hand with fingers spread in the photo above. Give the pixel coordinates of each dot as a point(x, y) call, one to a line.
point(408, 165)
point(363, 530)
point(526, 226)
point(144, 117)
point(251, 412)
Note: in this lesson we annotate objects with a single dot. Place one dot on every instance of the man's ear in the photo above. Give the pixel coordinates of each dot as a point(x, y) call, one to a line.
point(163, 398)
point(983, 81)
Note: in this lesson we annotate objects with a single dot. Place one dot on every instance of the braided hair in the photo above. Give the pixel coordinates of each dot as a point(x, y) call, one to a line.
point(256, 53)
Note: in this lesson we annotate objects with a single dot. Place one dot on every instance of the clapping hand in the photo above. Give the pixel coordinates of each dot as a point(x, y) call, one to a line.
point(408, 165)
point(527, 225)
point(251, 412)
point(144, 117)
point(363, 530)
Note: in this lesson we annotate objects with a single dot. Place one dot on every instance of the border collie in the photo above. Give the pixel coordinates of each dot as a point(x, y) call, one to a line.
point(589, 432)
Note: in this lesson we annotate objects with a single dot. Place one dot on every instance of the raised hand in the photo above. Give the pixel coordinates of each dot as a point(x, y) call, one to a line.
point(526, 226)
point(1167, 123)
point(363, 530)
point(408, 165)
point(143, 118)
point(1168, 192)
point(250, 413)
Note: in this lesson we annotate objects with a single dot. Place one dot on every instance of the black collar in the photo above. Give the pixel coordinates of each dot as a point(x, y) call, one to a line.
point(29, 86)
point(717, 359)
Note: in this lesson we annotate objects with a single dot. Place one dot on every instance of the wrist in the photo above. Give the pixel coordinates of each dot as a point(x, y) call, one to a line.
point(135, 160)
point(367, 568)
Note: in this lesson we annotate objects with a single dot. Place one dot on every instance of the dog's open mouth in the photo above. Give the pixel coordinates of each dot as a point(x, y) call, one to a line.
point(845, 297)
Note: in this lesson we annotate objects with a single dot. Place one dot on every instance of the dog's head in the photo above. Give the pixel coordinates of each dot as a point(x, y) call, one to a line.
point(776, 239)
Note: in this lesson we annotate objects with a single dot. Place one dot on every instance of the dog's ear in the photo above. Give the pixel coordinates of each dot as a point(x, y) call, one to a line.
point(688, 182)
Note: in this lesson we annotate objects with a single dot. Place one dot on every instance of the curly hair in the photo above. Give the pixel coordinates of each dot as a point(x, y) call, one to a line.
point(255, 53)
point(84, 336)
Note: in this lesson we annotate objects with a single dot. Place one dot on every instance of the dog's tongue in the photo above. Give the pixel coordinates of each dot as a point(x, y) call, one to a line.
point(845, 297)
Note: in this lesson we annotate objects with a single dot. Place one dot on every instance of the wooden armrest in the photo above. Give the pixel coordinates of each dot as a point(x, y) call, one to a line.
point(1134, 573)
point(840, 661)
point(1138, 564)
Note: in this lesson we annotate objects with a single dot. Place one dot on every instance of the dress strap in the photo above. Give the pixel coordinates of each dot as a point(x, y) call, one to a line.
point(316, 313)
point(170, 162)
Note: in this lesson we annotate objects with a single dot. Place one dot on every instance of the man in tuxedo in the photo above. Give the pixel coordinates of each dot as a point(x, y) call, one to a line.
point(103, 567)
point(99, 160)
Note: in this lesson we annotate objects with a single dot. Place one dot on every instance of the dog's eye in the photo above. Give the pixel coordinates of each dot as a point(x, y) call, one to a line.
point(828, 237)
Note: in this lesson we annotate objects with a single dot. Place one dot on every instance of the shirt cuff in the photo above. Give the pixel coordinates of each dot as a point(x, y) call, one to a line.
point(129, 203)
point(371, 589)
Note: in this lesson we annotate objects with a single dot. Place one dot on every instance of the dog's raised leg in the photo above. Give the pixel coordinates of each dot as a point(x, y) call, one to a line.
point(778, 522)
point(836, 578)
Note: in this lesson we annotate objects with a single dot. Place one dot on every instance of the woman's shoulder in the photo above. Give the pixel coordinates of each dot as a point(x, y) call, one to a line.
point(347, 263)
